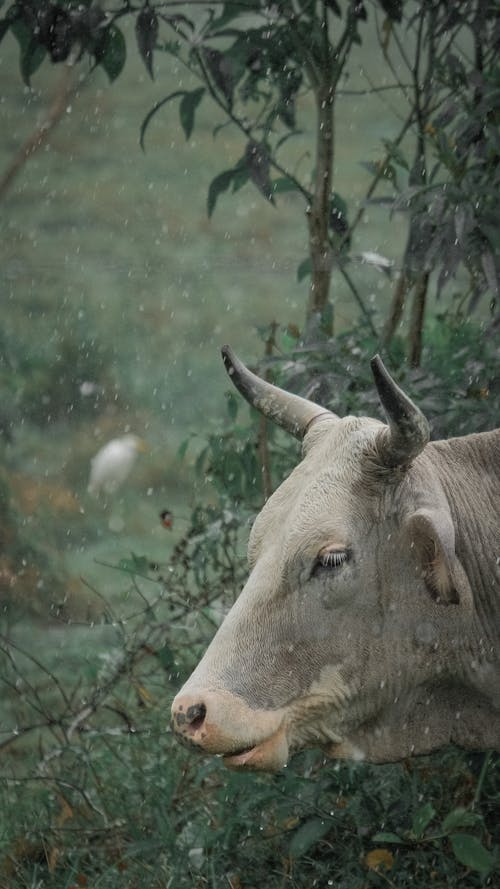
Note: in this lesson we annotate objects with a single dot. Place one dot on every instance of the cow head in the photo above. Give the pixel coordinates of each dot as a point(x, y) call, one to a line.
point(344, 634)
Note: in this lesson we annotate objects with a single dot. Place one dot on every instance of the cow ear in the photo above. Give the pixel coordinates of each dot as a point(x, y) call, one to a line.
point(432, 534)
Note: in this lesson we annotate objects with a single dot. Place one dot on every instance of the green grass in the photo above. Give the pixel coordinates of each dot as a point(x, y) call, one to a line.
point(135, 810)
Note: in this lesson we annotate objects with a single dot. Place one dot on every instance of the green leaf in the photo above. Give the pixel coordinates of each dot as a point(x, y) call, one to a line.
point(112, 53)
point(4, 27)
point(360, 11)
point(422, 818)
point(289, 82)
point(233, 404)
point(304, 269)
point(283, 184)
point(379, 168)
point(257, 161)
point(460, 817)
point(221, 71)
point(396, 153)
point(182, 449)
point(187, 108)
point(241, 176)
point(228, 13)
point(154, 110)
point(146, 33)
point(468, 850)
point(393, 8)
point(32, 54)
point(337, 219)
point(386, 837)
point(32, 59)
point(338, 203)
point(307, 835)
point(217, 186)
point(199, 466)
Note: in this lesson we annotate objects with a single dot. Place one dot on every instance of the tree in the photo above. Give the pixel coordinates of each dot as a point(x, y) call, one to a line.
point(453, 176)
point(255, 59)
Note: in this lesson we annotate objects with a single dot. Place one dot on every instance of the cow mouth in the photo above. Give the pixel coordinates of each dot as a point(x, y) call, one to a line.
point(267, 756)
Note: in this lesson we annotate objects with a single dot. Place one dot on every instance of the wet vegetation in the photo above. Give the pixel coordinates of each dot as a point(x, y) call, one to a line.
point(99, 794)
point(105, 612)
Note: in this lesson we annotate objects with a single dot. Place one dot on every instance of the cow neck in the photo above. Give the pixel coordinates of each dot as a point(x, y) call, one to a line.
point(469, 470)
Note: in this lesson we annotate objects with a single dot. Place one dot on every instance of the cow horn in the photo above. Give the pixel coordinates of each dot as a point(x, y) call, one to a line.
point(408, 431)
point(293, 413)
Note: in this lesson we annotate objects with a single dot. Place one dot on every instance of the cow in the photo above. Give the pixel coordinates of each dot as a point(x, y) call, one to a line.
point(369, 624)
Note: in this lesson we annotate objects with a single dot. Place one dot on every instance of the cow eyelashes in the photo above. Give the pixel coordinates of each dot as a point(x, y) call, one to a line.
point(332, 559)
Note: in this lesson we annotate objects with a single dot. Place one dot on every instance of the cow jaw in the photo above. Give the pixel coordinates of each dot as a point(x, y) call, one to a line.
point(269, 756)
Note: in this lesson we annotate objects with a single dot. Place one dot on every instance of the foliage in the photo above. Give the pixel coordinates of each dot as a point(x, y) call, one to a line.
point(460, 220)
point(458, 389)
point(96, 790)
point(109, 799)
point(257, 61)
point(448, 181)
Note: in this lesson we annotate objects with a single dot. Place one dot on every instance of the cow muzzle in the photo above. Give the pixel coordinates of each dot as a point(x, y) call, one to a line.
point(221, 723)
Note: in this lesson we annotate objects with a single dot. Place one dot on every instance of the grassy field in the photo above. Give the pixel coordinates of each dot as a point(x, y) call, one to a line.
point(112, 273)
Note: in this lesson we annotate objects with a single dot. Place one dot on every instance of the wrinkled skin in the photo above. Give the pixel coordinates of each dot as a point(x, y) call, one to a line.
point(386, 647)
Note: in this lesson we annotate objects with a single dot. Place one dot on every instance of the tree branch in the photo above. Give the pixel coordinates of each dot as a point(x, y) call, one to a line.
point(66, 89)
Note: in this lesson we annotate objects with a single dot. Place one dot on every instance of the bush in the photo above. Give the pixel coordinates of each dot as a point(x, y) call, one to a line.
point(106, 796)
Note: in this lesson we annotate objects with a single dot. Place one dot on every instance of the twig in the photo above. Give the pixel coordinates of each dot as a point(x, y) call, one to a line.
point(66, 88)
point(359, 299)
point(9, 643)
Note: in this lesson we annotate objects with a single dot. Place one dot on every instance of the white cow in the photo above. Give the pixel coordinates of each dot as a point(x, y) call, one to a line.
point(370, 622)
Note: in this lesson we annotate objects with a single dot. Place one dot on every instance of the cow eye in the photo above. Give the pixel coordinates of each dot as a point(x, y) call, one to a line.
point(330, 560)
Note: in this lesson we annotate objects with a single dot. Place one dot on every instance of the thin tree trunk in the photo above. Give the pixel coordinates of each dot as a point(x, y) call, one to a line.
point(397, 308)
point(318, 214)
point(417, 319)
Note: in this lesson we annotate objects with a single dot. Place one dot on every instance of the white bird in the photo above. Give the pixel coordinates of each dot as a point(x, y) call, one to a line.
point(113, 463)
point(382, 263)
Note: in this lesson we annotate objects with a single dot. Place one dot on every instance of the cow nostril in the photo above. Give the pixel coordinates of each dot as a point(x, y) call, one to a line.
point(188, 718)
point(195, 716)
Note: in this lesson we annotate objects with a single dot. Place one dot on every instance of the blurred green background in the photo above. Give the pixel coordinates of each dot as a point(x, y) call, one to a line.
point(113, 275)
